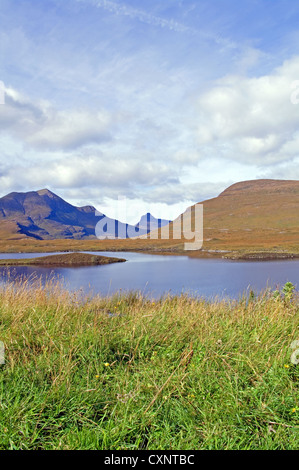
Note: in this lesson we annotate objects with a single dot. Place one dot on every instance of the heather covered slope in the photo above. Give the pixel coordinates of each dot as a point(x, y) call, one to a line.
point(268, 204)
point(253, 214)
point(250, 215)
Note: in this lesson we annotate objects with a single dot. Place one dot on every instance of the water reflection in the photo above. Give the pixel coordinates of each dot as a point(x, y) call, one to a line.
point(156, 275)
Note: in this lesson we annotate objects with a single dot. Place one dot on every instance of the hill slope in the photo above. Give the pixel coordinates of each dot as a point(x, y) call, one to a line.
point(258, 214)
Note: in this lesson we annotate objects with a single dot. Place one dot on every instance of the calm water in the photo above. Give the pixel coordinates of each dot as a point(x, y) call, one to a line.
point(158, 275)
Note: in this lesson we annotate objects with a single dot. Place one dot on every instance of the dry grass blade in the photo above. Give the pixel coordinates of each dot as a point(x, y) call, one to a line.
point(183, 360)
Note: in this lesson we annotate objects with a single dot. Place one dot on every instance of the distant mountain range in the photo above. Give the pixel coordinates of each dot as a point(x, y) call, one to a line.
point(249, 215)
point(44, 216)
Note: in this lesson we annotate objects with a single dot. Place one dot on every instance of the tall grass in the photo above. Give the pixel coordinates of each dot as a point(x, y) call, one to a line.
point(129, 373)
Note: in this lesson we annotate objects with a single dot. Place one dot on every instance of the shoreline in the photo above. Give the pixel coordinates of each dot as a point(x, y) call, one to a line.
point(232, 256)
point(85, 246)
point(64, 260)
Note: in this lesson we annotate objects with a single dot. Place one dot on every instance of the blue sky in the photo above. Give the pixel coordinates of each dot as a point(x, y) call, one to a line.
point(165, 103)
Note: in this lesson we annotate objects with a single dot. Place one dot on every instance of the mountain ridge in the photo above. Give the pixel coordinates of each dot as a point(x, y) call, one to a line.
point(43, 215)
point(260, 185)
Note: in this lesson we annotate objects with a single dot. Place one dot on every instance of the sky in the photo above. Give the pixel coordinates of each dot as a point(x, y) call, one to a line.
point(159, 103)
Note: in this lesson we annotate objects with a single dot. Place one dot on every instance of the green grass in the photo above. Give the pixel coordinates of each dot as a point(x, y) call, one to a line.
point(175, 374)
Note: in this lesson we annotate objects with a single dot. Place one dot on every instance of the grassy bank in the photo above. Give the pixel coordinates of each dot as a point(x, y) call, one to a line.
point(127, 373)
point(68, 259)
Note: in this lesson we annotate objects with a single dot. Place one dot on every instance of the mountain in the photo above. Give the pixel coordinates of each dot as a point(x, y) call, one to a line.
point(44, 216)
point(148, 222)
point(257, 214)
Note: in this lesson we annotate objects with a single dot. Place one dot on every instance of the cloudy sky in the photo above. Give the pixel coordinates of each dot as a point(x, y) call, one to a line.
point(164, 103)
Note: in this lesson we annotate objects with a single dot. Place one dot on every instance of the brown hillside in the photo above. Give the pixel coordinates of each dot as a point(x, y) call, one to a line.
point(253, 214)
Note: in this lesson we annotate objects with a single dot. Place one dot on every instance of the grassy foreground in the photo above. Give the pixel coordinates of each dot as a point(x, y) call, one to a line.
point(128, 373)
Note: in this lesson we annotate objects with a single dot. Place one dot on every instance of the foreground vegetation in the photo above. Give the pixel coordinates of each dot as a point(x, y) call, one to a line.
point(129, 373)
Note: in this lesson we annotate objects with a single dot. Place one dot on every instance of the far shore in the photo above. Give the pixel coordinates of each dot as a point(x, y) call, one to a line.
point(152, 247)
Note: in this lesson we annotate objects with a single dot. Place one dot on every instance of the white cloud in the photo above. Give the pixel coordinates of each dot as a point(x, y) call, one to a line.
point(251, 117)
point(286, 171)
point(72, 129)
point(90, 169)
point(43, 127)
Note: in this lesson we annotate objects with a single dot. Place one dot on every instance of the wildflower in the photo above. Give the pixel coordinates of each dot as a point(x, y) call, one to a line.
point(286, 366)
point(97, 376)
point(294, 410)
point(106, 364)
